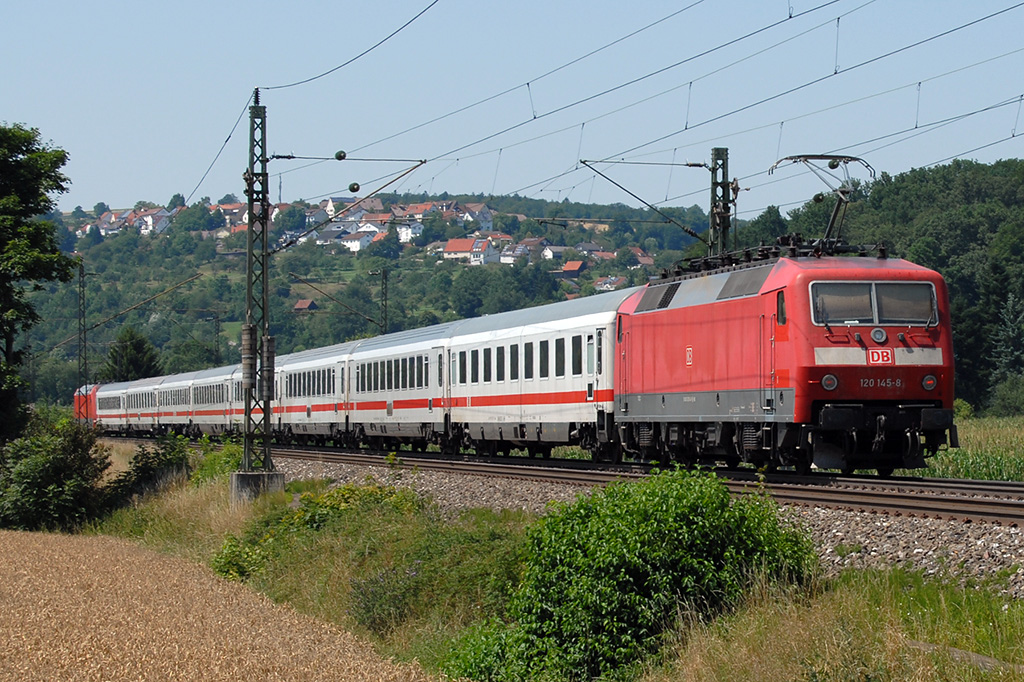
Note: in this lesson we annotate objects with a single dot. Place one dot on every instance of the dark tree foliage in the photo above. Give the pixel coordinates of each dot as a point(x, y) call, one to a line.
point(198, 218)
point(176, 201)
point(100, 208)
point(50, 477)
point(131, 357)
point(30, 174)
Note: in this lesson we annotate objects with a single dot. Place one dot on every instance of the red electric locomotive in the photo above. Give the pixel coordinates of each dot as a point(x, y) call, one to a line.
point(802, 357)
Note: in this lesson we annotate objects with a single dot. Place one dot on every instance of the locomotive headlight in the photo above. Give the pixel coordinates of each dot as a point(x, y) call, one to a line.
point(878, 335)
point(929, 382)
point(829, 382)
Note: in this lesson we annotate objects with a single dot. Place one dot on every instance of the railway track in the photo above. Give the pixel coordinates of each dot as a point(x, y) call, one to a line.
point(1000, 502)
point(970, 501)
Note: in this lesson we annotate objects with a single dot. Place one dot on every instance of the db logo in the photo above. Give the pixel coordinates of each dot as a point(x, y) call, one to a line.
point(689, 356)
point(881, 356)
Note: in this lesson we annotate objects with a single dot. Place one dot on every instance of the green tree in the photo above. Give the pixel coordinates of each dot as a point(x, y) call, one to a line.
point(79, 214)
point(388, 247)
point(1009, 342)
point(131, 357)
point(291, 219)
point(765, 228)
point(228, 199)
point(30, 172)
point(198, 218)
point(143, 205)
point(99, 209)
point(50, 477)
point(176, 201)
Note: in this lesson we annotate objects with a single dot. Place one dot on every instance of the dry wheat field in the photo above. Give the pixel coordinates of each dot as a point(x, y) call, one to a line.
point(98, 608)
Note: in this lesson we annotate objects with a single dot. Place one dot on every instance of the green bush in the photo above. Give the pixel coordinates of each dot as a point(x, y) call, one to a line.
point(49, 478)
point(151, 468)
point(214, 462)
point(1007, 399)
point(962, 409)
point(606, 575)
point(241, 558)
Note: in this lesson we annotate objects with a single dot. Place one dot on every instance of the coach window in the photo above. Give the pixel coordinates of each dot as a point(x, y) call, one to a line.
point(421, 370)
point(780, 307)
point(487, 365)
point(577, 355)
point(375, 373)
point(405, 372)
point(474, 366)
point(513, 362)
point(462, 366)
point(528, 360)
point(499, 363)
point(440, 370)
point(559, 357)
point(590, 354)
point(543, 359)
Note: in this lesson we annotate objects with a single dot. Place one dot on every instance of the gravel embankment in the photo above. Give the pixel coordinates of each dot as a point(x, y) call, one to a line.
point(98, 608)
point(843, 538)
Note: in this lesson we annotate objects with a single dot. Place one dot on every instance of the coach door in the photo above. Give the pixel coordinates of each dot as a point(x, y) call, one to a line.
point(621, 374)
point(439, 407)
point(774, 314)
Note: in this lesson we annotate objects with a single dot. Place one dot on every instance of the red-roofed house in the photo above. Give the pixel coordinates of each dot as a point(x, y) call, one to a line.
point(476, 251)
point(572, 269)
point(641, 256)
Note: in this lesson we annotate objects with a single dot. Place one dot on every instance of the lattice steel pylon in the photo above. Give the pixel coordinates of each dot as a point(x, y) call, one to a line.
point(721, 202)
point(83, 347)
point(257, 343)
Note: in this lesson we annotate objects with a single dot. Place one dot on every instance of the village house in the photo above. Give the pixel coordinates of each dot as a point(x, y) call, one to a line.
point(513, 253)
point(572, 269)
point(476, 251)
point(357, 241)
point(409, 231)
point(478, 214)
point(610, 283)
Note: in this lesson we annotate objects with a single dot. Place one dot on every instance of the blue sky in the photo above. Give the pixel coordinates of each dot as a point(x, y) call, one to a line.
point(143, 95)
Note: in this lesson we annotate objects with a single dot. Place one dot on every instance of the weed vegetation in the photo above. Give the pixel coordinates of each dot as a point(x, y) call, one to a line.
point(604, 577)
point(991, 449)
point(660, 580)
point(867, 625)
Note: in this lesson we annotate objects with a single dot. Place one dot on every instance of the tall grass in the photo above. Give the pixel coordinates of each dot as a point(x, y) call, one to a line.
point(991, 449)
point(867, 625)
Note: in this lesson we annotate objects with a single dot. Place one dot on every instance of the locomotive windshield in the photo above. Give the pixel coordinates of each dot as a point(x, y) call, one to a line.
point(889, 303)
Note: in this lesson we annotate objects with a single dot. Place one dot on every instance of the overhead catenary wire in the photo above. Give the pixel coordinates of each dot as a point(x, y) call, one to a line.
point(630, 82)
point(544, 75)
point(358, 56)
point(627, 152)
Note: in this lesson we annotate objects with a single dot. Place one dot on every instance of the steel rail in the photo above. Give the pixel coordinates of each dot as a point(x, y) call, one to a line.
point(1000, 502)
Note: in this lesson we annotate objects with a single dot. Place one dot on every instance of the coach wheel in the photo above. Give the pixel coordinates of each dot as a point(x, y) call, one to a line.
point(885, 472)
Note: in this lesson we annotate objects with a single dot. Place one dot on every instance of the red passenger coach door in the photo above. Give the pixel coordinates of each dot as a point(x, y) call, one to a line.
point(622, 366)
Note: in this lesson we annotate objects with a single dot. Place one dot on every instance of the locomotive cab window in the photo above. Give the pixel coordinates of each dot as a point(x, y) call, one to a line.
point(889, 303)
point(780, 308)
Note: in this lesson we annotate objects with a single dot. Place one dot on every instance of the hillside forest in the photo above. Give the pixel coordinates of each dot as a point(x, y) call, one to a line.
point(964, 219)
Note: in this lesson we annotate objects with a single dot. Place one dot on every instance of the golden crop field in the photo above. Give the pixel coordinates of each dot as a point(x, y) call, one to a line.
point(101, 608)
